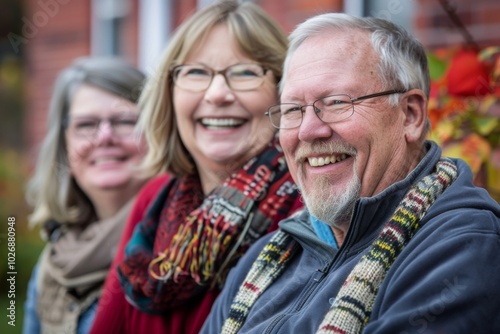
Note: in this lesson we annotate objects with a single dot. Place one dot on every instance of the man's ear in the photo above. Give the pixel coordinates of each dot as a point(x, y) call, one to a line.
point(414, 106)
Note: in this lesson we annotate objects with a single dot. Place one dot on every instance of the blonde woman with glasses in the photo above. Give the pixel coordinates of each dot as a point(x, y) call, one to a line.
point(82, 190)
point(205, 123)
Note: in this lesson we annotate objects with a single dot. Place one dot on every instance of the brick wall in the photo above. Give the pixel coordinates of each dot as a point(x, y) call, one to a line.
point(434, 28)
point(57, 31)
point(56, 34)
point(129, 34)
point(289, 13)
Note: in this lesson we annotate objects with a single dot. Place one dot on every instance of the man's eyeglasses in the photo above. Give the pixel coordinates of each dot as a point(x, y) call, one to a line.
point(88, 127)
point(198, 77)
point(329, 109)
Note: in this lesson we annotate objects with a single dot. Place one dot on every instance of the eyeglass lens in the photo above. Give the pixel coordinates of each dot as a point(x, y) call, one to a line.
point(87, 127)
point(334, 108)
point(198, 77)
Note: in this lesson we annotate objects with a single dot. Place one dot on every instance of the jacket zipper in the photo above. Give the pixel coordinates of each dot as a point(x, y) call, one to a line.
point(326, 269)
point(312, 288)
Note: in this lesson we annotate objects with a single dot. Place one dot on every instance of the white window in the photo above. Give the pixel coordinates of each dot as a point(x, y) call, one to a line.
point(107, 20)
point(155, 29)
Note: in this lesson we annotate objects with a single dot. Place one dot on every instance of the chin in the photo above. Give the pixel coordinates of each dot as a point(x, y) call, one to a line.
point(329, 204)
point(112, 183)
point(224, 156)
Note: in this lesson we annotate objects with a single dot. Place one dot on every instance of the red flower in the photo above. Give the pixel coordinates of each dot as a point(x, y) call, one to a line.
point(467, 75)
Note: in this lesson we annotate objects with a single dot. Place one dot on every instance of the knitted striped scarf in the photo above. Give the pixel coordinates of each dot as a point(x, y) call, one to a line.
point(352, 307)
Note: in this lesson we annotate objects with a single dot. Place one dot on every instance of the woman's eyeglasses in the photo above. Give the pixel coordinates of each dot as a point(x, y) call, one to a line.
point(88, 127)
point(198, 77)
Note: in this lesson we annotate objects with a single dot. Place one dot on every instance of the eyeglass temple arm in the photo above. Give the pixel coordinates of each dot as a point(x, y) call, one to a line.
point(387, 92)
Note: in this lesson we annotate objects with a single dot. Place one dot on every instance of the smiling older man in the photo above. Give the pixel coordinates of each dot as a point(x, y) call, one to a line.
point(395, 238)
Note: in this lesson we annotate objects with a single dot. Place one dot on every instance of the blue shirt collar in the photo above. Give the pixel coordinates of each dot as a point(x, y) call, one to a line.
point(323, 231)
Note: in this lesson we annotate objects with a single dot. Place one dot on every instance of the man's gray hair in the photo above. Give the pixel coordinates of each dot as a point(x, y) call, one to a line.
point(403, 61)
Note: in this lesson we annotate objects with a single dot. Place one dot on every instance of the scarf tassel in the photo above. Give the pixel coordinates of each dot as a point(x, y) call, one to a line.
point(194, 251)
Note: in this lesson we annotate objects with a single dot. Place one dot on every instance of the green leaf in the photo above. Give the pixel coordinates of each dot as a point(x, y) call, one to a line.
point(437, 67)
point(485, 125)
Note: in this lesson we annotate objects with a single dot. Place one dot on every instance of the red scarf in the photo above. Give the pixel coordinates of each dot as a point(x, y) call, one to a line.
point(187, 242)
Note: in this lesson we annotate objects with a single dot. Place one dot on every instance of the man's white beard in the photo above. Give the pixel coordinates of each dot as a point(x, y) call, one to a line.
point(329, 204)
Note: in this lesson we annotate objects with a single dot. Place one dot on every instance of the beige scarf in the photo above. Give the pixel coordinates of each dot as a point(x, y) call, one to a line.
point(73, 268)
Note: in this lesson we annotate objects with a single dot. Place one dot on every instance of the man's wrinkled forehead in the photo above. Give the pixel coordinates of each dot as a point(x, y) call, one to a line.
point(332, 56)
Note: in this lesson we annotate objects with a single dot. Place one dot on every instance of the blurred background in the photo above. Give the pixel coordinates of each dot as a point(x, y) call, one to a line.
point(38, 38)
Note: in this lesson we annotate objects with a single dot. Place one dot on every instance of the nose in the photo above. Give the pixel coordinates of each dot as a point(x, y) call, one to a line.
point(312, 126)
point(105, 132)
point(219, 91)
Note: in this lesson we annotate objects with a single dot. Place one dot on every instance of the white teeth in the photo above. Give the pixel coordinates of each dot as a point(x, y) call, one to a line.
point(221, 122)
point(321, 161)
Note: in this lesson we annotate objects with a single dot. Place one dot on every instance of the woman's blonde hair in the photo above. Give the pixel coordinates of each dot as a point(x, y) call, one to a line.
point(52, 191)
point(259, 37)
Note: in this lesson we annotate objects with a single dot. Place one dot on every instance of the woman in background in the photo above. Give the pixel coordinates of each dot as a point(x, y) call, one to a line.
point(205, 124)
point(82, 190)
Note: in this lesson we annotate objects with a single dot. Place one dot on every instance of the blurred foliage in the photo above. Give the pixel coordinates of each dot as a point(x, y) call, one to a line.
point(13, 175)
point(12, 101)
point(13, 167)
point(464, 108)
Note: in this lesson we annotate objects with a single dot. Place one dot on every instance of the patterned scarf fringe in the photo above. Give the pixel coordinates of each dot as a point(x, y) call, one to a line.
point(195, 249)
point(352, 307)
point(187, 242)
point(215, 235)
